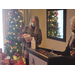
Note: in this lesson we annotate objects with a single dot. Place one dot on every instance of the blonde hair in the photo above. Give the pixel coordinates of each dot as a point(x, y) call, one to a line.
point(72, 20)
point(36, 22)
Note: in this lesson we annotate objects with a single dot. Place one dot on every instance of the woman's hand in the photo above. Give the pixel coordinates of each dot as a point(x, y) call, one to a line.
point(24, 35)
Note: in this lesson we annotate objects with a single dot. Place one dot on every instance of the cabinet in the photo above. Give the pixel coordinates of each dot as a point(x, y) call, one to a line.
point(34, 60)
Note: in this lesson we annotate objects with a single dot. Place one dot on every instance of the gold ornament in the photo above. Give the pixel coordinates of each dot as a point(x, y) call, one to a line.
point(21, 44)
point(14, 18)
point(17, 50)
point(11, 21)
point(13, 33)
point(16, 25)
point(18, 16)
point(14, 37)
point(11, 48)
point(20, 21)
point(20, 25)
point(16, 43)
point(15, 57)
point(13, 28)
point(10, 51)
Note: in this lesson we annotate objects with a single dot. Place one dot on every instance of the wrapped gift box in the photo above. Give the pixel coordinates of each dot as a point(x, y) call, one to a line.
point(6, 61)
point(12, 62)
point(20, 63)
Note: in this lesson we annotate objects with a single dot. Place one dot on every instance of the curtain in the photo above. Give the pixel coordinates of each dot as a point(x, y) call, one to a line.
point(4, 23)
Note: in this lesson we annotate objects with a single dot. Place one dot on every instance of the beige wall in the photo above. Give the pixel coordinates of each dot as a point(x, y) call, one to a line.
point(49, 43)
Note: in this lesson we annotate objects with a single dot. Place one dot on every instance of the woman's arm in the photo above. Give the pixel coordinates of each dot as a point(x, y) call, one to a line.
point(20, 35)
point(38, 37)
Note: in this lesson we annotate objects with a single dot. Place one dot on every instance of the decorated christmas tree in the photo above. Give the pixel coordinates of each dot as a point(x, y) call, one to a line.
point(53, 29)
point(14, 27)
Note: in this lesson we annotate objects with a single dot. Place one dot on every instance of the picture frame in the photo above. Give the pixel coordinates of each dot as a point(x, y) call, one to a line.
point(56, 24)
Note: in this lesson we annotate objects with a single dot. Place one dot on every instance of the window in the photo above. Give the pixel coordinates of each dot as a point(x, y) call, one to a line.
point(56, 24)
point(1, 30)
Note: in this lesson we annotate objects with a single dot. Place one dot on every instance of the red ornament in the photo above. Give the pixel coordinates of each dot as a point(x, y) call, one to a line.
point(16, 54)
point(21, 23)
point(20, 62)
point(56, 13)
point(54, 27)
point(20, 57)
point(10, 42)
point(20, 28)
point(12, 14)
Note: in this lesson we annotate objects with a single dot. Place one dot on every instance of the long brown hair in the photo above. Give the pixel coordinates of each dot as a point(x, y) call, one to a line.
point(36, 22)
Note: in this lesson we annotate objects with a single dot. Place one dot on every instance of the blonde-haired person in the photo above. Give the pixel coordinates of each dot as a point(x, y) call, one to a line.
point(70, 49)
point(34, 30)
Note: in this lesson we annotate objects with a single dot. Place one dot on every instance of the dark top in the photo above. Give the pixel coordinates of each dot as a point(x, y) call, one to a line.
point(67, 50)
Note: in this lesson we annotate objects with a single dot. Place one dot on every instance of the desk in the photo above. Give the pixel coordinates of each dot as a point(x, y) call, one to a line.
point(38, 57)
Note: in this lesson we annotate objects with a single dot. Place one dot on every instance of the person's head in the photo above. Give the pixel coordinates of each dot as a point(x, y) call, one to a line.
point(34, 22)
point(72, 23)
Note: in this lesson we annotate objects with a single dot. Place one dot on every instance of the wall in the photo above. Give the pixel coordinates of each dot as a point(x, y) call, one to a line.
point(50, 43)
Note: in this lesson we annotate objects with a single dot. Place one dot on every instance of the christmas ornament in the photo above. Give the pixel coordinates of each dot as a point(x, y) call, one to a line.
point(16, 54)
point(10, 51)
point(54, 27)
point(12, 14)
point(15, 57)
point(15, 12)
point(16, 20)
point(57, 34)
point(16, 25)
point(20, 25)
point(14, 37)
point(11, 48)
point(18, 16)
point(16, 43)
point(20, 28)
point(20, 22)
point(21, 44)
point(13, 33)
point(56, 13)
point(13, 28)
point(11, 21)
point(10, 42)
point(15, 47)
point(17, 50)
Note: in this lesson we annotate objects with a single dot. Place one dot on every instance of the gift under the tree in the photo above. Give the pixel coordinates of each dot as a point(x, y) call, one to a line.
point(6, 61)
point(20, 63)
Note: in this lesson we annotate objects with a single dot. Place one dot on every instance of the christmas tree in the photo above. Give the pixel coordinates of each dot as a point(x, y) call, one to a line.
point(53, 29)
point(14, 27)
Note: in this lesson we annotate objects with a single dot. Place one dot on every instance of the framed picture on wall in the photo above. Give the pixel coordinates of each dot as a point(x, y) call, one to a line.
point(56, 24)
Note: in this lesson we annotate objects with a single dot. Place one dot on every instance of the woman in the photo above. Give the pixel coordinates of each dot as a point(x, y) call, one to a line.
point(34, 30)
point(70, 49)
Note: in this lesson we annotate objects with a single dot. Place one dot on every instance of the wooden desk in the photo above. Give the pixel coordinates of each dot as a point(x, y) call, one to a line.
point(38, 57)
